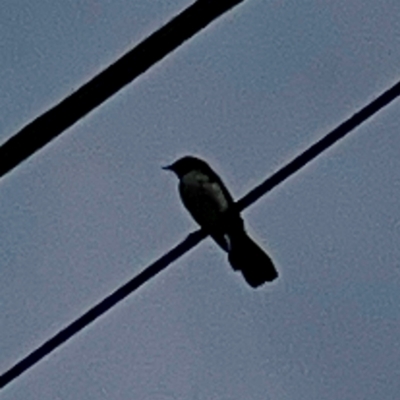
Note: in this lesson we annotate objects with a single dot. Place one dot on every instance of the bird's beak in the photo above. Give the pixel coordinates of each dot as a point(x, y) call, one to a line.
point(167, 167)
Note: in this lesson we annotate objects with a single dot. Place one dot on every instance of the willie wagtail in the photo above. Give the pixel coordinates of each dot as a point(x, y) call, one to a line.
point(212, 206)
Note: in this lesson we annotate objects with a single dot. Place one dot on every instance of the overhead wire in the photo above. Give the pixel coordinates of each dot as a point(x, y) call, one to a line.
point(195, 237)
point(323, 144)
point(53, 122)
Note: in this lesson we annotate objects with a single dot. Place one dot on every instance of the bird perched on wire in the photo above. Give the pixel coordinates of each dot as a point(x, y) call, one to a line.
point(211, 205)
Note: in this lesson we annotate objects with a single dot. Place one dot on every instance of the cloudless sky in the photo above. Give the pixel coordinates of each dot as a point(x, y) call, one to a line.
point(93, 208)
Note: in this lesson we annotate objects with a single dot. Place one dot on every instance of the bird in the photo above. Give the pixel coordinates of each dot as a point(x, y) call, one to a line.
point(211, 205)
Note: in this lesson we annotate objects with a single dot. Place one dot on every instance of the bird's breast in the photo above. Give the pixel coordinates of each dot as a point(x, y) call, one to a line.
point(204, 198)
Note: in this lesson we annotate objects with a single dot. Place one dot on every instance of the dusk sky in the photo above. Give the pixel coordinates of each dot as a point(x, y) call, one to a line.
point(94, 208)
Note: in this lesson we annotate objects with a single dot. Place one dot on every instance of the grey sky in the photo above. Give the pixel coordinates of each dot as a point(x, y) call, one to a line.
point(94, 208)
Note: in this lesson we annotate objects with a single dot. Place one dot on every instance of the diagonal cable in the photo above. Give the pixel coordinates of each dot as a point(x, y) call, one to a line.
point(195, 237)
point(53, 122)
point(323, 144)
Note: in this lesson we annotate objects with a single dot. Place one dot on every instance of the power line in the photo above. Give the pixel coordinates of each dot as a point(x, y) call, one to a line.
point(52, 123)
point(317, 148)
point(100, 308)
point(195, 237)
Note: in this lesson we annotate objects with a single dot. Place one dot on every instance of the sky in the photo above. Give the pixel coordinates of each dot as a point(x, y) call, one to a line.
point(94, 208)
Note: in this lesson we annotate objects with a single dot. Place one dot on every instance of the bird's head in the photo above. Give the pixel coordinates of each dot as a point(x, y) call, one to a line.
point(187, 164)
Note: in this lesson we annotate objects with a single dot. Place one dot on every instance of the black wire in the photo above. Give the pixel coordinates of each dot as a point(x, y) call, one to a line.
point(322, 145)
point(195, 237)
point(100, 308)
point(52, 123)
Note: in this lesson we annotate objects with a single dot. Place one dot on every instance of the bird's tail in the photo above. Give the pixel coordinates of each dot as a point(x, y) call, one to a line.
point(245, 255)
